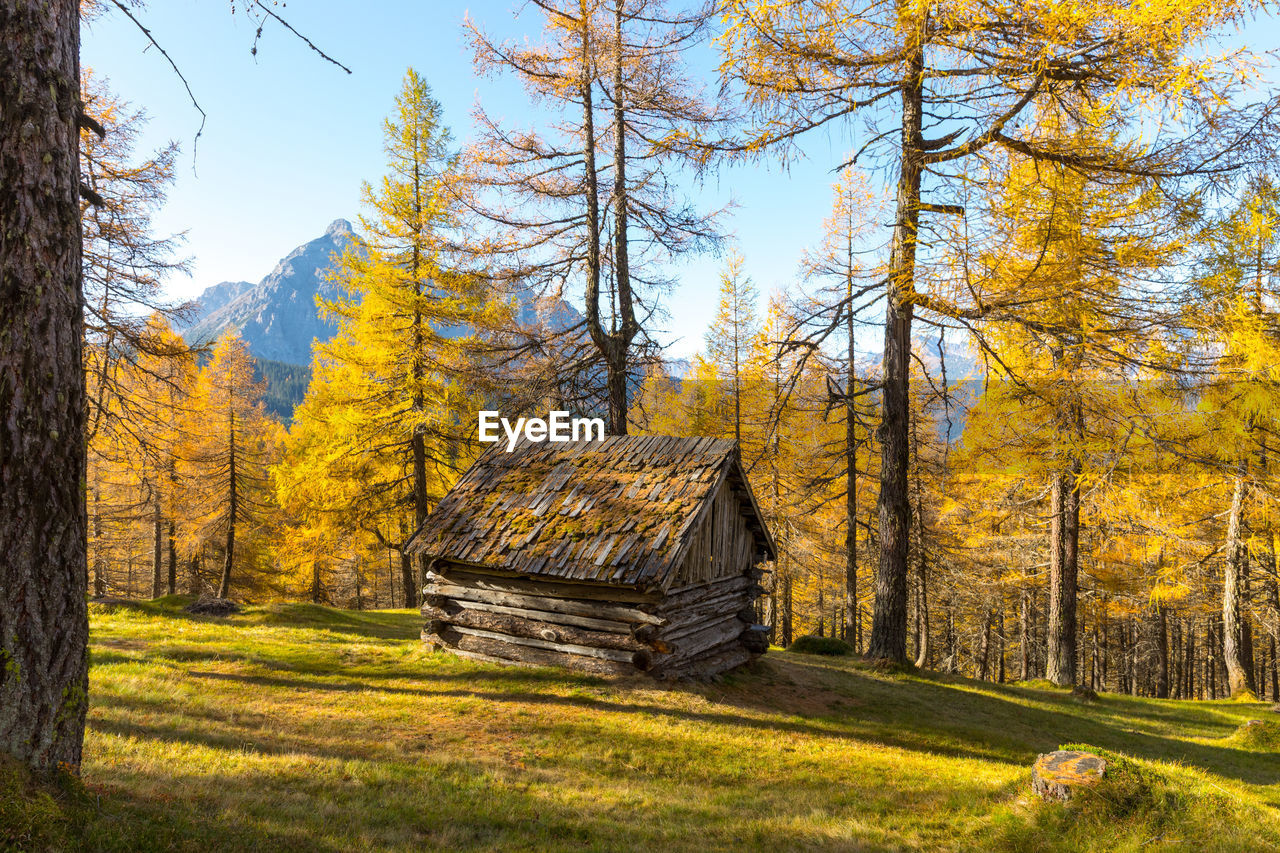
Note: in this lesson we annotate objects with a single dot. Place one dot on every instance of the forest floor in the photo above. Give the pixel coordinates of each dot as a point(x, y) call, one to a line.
point(300, 727)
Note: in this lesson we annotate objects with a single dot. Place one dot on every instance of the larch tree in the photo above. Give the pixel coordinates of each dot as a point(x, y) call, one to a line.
point(125, 262)
point(846, 278)
point(228, 443)
point(732, 333)
point(939, 84)
point(1086, 257)
point(397, 374)
point(589, 203)
point(1240, 403)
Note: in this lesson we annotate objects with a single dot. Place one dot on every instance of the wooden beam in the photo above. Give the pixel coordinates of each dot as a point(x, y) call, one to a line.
point(519, 626)
point(508, 652)
point(525, 585)
point(573, 607)
point(612, 625)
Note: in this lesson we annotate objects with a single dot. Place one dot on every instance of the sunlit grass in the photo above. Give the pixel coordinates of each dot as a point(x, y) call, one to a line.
point(301, 727)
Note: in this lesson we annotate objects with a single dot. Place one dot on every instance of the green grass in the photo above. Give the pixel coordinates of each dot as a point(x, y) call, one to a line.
point(300, 727)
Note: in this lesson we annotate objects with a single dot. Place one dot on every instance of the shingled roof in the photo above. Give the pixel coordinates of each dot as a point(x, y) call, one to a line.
point(616, 511)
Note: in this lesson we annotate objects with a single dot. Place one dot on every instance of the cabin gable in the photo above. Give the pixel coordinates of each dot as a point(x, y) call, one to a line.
point(723, 544)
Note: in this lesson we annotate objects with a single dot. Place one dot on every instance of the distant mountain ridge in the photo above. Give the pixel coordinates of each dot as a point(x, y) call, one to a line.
point(278, 317)
point(279, 320)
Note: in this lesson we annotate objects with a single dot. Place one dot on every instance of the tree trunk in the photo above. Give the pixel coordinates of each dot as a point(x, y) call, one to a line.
point(1162, 652)
point(1064, 540)
point(99, 564)
point(889, 621)
point(984, 647)
point(1239, 672)
point(613, 345)
point(157, 548)
point(851, 475)
point(1024, 637)
point(233, 506)
point(821, 612)
point(172, 580)
point(411, 583)
point(193, 575)
point(787, 635)
point(44, 626)
point(922, 617)
point(1000, 673)
point(1275, 673)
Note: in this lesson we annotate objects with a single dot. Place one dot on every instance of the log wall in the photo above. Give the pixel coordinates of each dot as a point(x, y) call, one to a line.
point(703, 628)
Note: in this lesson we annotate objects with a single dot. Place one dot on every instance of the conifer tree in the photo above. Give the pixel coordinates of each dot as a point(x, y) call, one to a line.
point(395, 379)
point(587, 201)
point(732, 335)
point(805, 65)
point(228, 443)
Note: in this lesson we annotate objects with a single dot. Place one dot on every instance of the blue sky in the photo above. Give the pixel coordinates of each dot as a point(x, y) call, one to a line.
point(289, 137)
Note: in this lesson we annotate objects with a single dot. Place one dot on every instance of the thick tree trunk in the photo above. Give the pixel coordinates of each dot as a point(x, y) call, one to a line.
point(1239, 672)
point(889, 621)
point(44, 624)
point(1064, 541)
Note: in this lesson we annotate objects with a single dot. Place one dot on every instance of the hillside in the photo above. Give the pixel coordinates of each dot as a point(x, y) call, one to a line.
point(286, 386)
point(300, 727)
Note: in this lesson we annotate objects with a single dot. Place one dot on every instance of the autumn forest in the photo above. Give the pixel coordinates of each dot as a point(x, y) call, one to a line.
point(1015, 417)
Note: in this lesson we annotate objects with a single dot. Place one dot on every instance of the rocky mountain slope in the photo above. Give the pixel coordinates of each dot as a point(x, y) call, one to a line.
point(277, 317)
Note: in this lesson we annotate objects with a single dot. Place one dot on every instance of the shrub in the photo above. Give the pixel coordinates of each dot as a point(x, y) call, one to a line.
point(1263, 735)
point(811, 645)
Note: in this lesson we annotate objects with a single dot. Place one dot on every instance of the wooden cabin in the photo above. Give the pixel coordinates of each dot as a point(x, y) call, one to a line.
point(631, 554)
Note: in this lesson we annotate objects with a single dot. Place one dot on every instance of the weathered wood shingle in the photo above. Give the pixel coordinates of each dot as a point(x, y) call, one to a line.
point(616, 511)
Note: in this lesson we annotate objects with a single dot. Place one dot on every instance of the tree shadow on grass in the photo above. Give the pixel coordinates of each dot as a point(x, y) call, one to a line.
point(913, 714)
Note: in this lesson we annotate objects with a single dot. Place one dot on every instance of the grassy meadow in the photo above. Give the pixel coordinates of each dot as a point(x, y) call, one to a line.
point(298, 727)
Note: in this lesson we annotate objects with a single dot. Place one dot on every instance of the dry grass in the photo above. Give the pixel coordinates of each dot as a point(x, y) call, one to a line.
point(300, 727)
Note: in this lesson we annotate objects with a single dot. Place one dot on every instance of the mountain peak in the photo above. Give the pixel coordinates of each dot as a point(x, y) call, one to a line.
point(277, 317)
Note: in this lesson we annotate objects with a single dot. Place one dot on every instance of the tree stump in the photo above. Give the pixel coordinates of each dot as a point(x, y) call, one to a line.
point(1058, 772)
